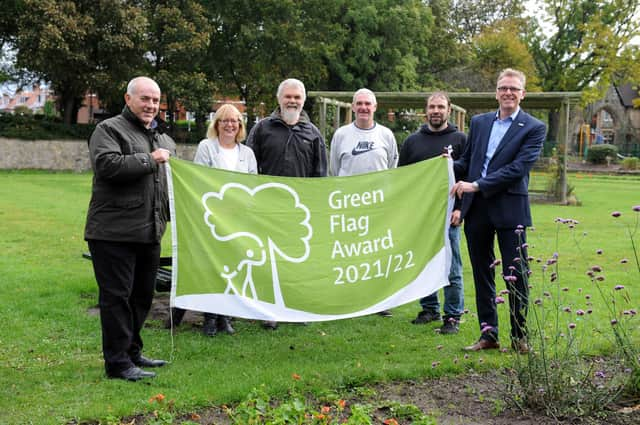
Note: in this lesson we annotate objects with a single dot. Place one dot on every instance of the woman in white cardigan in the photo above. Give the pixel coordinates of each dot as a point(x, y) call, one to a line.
point(222, 149)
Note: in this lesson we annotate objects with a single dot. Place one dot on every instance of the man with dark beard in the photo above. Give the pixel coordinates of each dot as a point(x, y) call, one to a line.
point(434, 138)
point(286, 143)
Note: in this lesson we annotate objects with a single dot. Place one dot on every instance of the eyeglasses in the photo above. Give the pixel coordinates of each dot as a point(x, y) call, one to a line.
point(504, 89)
point(226, 122)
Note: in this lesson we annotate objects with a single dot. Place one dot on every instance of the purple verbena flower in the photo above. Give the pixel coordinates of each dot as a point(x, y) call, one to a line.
point(580, 312)
point(572, 325)
point(504, 292)
point(618, 287)
point(567, 309)
point(614, 322)
point(624, 261)
point(499, 300)
point(512, 268)
point(599, 251)
point(600, 374)
point(538, 301)
point(596, 269)
point(510, 278)
point(600, 278)
point(636, 208)
point(565, 289)
point(486, 329)
point(616, 214)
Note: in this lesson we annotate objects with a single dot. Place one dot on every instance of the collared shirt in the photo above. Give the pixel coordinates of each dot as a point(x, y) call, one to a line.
point(498, 130)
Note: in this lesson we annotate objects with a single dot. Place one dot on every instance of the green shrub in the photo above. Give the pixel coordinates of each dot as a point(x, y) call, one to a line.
point(39, 127)
point(631, 163)
point(22, 110)
point(598, 154)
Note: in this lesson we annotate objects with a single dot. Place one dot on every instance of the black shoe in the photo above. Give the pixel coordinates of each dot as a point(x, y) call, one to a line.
point(270, 324)
point(142, 361)
point(450, 326)
point(132, 374)
point(385, 313)
point(223, 324)
point(209, 327)
point(426, 316)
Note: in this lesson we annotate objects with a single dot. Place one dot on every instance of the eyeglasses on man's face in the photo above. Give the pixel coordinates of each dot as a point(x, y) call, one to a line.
point(230, 121)
point(504, 89)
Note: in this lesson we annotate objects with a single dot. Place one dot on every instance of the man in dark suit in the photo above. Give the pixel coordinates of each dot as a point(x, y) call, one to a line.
point(493, 176)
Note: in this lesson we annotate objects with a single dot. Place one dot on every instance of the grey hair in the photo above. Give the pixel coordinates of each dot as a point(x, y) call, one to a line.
point(367, 92)
point(131, 87)
point(292, 82)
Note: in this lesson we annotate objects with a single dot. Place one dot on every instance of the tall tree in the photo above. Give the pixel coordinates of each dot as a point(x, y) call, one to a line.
point(255, 45)
point(78, 45)
point(589, 48)
point(8, 31)
point(498, 47)
point(457, 26)
point(177, 42)
point(383, 45)
point(470, 17)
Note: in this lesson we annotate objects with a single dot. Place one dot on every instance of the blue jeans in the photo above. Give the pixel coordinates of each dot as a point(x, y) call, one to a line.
point(454, 292)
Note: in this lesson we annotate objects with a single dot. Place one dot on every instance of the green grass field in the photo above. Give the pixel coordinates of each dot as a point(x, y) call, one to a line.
point(51, 367)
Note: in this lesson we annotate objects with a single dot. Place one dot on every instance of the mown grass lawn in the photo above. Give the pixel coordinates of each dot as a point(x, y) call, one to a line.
point(50, 353)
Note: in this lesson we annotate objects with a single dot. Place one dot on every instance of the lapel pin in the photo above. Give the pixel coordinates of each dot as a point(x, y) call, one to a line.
point(521, 124)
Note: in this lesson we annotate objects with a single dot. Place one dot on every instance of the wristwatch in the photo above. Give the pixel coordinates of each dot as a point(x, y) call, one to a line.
point(475, 186)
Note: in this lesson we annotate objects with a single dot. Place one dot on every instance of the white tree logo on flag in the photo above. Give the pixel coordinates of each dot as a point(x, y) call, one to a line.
point(239, 274)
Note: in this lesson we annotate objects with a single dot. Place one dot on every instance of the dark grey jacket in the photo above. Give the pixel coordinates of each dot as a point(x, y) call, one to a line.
point(129, 201)
point(288, 150)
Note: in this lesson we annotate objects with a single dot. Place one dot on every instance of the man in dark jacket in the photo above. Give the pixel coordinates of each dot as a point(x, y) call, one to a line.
point(434, 138)
point(127, 217)
point(287, 143)
point(493, 174)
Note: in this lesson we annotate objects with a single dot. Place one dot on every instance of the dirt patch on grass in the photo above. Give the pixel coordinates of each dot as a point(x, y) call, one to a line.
point(470, 399)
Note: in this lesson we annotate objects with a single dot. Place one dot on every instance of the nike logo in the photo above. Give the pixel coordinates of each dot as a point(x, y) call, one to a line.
point(362, 147)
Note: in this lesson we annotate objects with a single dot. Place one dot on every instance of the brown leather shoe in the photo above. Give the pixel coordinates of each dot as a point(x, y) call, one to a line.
point(483, 344)
point(520, 345)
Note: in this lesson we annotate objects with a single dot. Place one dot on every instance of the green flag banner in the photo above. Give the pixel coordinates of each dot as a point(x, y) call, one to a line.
point(308, 249)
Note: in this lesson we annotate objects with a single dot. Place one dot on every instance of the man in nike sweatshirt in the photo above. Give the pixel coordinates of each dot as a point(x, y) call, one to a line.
point(363, 146)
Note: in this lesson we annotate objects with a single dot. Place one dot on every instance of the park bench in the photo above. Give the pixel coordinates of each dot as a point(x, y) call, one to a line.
point(163, 277)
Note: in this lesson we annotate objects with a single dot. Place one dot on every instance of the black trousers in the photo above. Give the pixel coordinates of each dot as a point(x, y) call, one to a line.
point(126, 276)
point(481, 233)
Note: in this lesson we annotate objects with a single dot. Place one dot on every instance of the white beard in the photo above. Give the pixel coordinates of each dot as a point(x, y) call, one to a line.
point(290, 116)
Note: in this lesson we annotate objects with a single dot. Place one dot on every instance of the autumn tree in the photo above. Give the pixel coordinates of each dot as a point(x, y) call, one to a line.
point(589, 46)
point(497, 47)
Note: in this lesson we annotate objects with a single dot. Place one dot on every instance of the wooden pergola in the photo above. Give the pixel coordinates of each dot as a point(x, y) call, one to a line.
point(461, 102)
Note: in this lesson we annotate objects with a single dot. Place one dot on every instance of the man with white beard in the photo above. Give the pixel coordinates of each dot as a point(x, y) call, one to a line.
point(286, 143)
